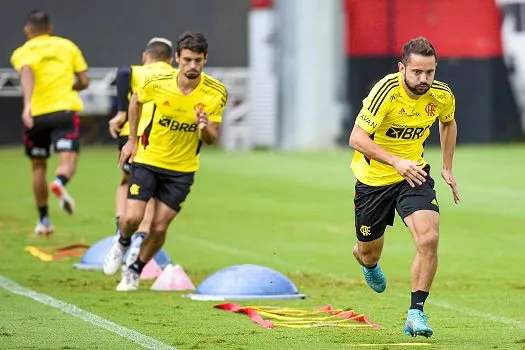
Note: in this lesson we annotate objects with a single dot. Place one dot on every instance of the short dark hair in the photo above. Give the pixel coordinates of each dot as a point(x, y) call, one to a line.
point(193, 41)
point(39, 21)
point(159, 51)
point(418, 46)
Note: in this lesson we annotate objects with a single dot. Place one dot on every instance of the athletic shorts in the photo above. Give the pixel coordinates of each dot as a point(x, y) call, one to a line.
point(61, 129)
point(375, 206)
point(120, 143)
point(169, 187)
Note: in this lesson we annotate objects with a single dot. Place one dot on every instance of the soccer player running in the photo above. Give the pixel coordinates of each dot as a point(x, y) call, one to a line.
point(128, 80)
point(388, 139)
point(48, 66)
point(188, 110)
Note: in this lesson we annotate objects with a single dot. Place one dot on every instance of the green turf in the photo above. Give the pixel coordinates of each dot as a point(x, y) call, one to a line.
point(289, 211)
point(35, 326)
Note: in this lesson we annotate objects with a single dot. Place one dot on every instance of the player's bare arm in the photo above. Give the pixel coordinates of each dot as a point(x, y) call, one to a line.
point(130, 148)
point(448, 133)
point(360, 141)
point(115, 123)
point(27, 80)
point(210, 133)
point(209, 130)
point(81, 81)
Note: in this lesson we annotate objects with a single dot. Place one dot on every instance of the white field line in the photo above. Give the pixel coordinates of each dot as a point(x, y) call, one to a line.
point(139, 338)
point(479, 314)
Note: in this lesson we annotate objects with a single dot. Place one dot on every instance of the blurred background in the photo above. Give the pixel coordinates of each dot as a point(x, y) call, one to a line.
point(296, 70)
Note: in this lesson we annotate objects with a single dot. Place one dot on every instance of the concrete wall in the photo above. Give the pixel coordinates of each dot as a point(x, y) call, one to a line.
point(114, 32)
point(311, 73)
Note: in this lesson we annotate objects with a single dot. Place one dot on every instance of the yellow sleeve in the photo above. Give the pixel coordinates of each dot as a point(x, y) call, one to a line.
point(447, 114)
point(216, 112)
point(145, 91)
point(21, 57)
point(79, 63)
point(376, 105)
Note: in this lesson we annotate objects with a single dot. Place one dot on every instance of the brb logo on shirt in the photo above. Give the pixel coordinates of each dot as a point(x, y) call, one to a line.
point(406, 133)
point(176, 125)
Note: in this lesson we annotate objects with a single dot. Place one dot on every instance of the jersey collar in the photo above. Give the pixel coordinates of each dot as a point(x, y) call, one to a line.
point(199, 85)
point(160, 63)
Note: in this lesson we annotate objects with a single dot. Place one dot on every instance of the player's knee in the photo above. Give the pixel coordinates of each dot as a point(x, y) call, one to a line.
point(159, 227)
point(428, 242)
point(355, 251)
point(38, 164)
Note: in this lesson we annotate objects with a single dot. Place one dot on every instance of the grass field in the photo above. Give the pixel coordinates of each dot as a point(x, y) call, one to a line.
point(288, 211)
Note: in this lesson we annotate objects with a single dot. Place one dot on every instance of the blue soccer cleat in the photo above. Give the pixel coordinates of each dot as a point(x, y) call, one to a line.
point(375, 278)
point(416, 324)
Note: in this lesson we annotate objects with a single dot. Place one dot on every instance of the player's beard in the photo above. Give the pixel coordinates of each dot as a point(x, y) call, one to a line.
point(192, 74)
point(419, 89)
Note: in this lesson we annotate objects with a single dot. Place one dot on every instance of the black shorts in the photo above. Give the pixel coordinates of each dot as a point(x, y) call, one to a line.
point(60, 128)
point(169, 187)
point(120, 143)
point(375, 206)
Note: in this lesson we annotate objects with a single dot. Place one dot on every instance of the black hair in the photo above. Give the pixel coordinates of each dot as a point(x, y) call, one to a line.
point(418, 46)
point(39, 21)
point(193, 41)
point(159, 51)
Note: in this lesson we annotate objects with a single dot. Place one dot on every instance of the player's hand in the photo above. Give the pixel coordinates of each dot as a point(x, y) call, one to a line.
point(27, 117)
point(115, 124)
point(410, 171)
point(127, 153)
point(451, 181)
point(202, 118)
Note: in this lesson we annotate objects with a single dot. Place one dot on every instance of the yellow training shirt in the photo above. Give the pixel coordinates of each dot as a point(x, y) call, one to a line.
point(172, 140)
point(399, 124)
point(54, 61)
point(138, 74)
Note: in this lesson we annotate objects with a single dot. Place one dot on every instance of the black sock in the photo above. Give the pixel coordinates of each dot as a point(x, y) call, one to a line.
point(137, 266)
point(371, 267)
point(63, 179)
point(126, 242)
point(417, 300)
point(43, 211)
